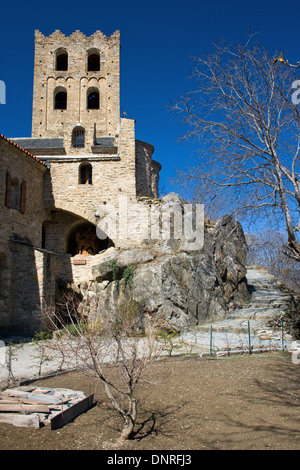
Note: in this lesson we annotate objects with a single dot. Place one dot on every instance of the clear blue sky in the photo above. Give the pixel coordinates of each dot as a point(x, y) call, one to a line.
point(157, 38)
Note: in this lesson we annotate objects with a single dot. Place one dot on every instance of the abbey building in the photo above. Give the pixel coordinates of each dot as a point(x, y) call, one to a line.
point(81, 155)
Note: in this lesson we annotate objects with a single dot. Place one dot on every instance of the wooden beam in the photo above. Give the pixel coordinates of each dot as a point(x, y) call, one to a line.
point(19, 408)
point(36, 398)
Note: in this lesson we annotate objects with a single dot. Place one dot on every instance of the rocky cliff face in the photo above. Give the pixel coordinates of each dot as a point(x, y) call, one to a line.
point(173, 287)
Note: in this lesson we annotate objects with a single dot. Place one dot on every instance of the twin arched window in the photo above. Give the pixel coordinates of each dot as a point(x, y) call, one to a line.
point(93, 60)
point(60, 93)
point(60, 98)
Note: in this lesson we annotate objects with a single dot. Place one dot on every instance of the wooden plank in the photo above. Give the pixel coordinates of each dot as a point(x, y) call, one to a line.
point(14, 407)
point(17, 393)
point(36, 398)
point(24, 421)
point(41, 401)
point(23, 401)
point(59, 420)
point(27, 388)
point(9, 399)
point(12, 400)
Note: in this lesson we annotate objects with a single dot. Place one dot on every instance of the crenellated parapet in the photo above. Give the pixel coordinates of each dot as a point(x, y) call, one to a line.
point(57, 34)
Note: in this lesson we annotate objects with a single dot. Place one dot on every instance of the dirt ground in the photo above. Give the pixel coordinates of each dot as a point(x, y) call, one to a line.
point(233, 403)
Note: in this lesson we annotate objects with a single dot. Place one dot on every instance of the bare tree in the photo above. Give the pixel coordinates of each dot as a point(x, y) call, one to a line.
point(247, 132)
point(100, 340)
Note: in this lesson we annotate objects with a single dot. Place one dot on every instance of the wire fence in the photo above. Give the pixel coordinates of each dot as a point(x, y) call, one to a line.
point(213, 342)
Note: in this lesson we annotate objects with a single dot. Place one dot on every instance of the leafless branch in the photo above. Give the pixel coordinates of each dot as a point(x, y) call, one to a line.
point(241, 117)
point(105, 338)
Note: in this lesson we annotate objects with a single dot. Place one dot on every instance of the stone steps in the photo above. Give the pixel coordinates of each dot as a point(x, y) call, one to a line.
point(256, 326)
point(269, 300)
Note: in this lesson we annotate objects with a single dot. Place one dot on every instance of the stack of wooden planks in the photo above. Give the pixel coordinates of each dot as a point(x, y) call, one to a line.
point(33, 406)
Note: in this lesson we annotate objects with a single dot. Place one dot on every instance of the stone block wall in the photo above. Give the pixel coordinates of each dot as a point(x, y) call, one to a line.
point(155, 169)
point(20, 165)
point(27, 275)
point(32, 283)
point(147, 171)
point(112, 176)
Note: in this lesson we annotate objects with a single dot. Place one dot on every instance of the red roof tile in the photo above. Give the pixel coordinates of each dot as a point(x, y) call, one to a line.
point(23, 150)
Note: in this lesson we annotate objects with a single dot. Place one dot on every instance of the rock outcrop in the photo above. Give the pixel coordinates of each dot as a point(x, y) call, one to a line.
point(173, 286)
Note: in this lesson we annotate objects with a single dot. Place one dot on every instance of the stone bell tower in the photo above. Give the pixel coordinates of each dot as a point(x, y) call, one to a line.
point(76, 88)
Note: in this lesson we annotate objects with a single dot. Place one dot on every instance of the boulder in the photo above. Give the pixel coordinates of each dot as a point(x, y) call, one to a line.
point(175, 287)
point(133, 257)
point(230, 250)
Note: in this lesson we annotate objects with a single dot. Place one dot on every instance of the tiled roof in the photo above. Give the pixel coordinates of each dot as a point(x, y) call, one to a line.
point(40, 144)
point(23, 150)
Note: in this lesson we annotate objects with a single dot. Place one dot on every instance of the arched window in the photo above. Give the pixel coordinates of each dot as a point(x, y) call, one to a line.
point(78, 137)
point(61, 60)
point(85, 174)
point(60, 98)
point(93, 99)
point(93, 61)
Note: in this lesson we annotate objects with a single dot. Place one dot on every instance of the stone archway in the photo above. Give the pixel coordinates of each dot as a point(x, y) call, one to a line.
point(82, 239)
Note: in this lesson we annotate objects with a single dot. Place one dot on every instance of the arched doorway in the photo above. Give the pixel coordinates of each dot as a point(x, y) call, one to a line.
point(83, 240)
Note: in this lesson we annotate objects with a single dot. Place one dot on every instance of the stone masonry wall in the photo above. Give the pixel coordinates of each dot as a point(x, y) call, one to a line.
point(112, 177)
point(156, 167)
point(32, 283)
point(26, 274)
point(25, 168)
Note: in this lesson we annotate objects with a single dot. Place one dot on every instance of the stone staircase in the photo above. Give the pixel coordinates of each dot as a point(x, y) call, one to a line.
point(250, 326)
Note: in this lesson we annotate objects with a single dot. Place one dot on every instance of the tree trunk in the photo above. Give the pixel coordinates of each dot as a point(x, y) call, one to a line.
point(129, 419)
point(127, 430)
